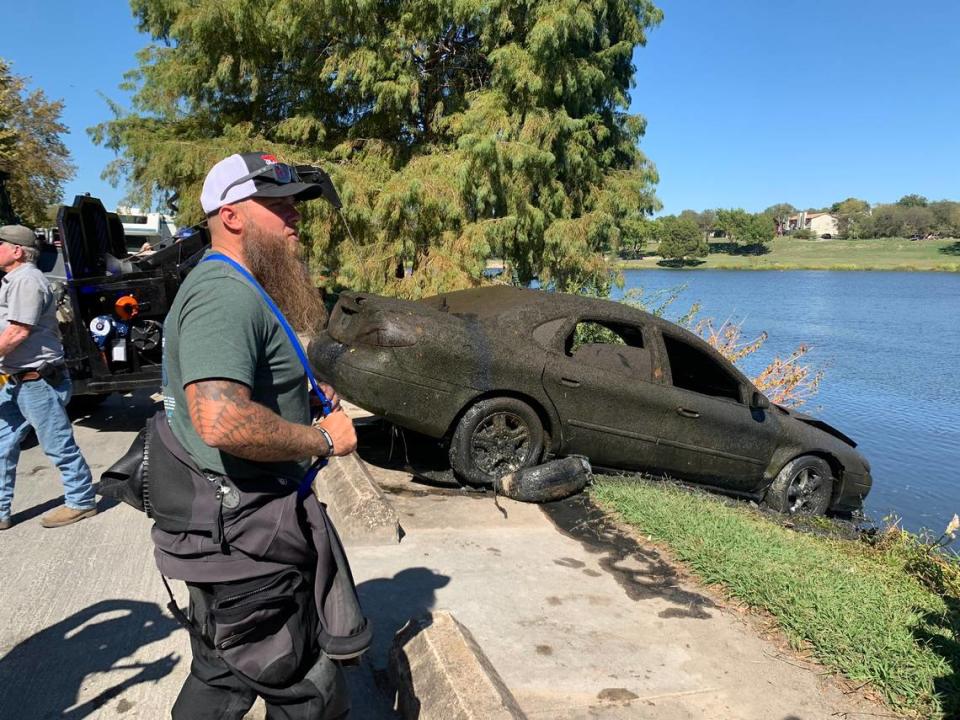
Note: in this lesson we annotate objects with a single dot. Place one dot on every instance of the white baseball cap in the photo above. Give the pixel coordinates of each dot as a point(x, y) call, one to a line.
point(254, 174)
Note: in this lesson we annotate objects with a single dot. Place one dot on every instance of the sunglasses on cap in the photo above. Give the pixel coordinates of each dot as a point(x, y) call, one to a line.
point(280, 173)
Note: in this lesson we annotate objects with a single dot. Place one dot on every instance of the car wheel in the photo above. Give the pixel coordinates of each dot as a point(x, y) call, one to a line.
point(804, 486)
point(496, 437)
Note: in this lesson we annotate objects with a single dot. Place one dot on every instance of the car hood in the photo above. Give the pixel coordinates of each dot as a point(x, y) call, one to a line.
point(819, 424)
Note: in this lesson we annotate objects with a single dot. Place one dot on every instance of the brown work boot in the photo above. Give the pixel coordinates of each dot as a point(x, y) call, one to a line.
point(6, 524)
point(65, 516)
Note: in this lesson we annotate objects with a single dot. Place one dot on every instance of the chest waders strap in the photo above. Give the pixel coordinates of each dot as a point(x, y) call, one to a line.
point(181, 617)
point(325, 407)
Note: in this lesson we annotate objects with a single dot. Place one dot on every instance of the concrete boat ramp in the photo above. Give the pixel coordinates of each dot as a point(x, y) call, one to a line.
point(481, 610)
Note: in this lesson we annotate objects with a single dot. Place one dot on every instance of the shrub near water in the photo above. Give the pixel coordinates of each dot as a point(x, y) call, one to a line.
point(860, 609)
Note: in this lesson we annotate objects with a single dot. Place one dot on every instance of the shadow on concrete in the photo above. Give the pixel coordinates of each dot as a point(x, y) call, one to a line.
point(389, 446)
point(641, 571)
point(41, 677)
point(389, 604)
point(119, 413)
point(103, 504)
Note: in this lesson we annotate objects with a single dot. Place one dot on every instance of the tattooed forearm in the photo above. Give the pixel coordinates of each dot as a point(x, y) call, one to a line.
point(226, 418)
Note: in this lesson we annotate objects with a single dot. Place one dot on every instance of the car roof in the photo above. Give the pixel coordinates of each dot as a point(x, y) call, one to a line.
point(536, 306)
point(526, 308)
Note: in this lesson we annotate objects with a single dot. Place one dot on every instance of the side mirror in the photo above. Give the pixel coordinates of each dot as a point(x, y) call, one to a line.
point(759, 401)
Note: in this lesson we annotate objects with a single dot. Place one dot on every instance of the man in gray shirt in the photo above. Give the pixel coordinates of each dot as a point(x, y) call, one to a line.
point(36, 386)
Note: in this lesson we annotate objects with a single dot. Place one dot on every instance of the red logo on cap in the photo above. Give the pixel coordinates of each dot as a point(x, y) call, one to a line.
point(269, 159)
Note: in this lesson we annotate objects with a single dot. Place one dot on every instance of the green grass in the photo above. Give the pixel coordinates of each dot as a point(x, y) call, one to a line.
point(790, 254)
point(859, 609)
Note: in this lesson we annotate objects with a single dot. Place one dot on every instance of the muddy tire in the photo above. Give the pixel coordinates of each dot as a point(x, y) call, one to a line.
point(496, 437)
point(803, 487)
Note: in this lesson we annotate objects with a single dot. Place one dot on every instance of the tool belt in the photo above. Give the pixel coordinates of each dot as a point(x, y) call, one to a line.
point(53, 374)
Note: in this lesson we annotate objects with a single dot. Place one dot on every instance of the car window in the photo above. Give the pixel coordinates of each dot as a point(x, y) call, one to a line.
point(599, 331)
point(693, 369)
point(613, 347)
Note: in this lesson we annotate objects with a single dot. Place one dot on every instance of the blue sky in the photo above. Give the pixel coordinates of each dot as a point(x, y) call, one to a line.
point(755, 102)
point(748, 102)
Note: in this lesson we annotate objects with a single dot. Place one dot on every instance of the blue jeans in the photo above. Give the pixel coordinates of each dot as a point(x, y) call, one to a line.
point(39, 404)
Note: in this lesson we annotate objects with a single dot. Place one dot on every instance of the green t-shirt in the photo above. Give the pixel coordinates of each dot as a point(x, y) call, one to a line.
point(220, 327)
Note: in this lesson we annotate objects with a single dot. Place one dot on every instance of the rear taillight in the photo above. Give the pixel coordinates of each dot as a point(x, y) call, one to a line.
point(371, 328)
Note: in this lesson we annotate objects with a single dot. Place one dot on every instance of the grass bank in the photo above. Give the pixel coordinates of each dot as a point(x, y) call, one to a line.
point(883, 613)
point(790, 254)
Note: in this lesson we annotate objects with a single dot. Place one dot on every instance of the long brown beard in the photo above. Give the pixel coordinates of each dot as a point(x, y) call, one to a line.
point(285, 277)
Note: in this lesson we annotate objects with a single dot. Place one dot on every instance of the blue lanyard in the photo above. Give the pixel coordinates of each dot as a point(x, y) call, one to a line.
point(325, 407)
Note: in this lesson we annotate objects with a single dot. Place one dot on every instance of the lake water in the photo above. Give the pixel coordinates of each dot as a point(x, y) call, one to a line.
point(889, 343)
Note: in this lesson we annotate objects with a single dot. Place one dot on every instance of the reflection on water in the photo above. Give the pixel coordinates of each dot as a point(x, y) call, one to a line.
point(889, 343)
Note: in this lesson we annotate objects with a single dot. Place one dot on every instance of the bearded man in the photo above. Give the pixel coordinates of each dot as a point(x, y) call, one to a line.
point(236, 398)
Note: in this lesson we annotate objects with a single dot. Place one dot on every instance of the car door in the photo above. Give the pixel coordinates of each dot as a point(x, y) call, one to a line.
point(709, 433)
point(601, 384)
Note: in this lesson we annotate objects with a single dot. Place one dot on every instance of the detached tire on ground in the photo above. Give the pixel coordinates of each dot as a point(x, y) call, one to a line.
point(496, 437)
point(803, 487)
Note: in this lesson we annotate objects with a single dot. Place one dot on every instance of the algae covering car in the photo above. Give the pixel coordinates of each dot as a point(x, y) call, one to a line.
point(507, 376)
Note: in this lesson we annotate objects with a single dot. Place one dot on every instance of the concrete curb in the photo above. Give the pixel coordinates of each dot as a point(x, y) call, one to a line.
point(355, 503)
point(441, 673)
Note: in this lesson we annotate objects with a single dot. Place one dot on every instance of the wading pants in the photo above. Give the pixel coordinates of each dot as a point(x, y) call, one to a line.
point(302, 684)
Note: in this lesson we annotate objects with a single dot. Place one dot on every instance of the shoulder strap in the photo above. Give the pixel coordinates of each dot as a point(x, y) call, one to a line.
point(326, 408)
point(294, 340)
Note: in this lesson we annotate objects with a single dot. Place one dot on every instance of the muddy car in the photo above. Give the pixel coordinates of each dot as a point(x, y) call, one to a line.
point(506, 376)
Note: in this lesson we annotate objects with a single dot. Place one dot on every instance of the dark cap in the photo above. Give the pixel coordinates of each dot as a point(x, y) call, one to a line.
point(18, 235)
point(254, 174)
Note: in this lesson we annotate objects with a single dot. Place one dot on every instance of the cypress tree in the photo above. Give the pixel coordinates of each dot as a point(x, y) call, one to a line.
point(453, 129)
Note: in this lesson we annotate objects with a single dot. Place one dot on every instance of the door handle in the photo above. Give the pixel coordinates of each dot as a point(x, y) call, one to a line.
point(687, 413)
point(569, 383)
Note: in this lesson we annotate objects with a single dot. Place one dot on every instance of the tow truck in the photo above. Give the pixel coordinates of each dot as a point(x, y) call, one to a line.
point(111, 302)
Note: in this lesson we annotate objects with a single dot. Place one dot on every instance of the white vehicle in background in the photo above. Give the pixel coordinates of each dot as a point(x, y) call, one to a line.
point(145, 231)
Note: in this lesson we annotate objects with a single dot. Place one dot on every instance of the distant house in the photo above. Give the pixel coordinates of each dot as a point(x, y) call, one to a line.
point(819, 223)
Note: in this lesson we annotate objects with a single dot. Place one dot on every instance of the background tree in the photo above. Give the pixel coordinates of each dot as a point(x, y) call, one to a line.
point(452, 130)
point(946, 214)
point(912, 200)
point(32, 155)
point(643, 234)
point(733, 222)
point(752, 231)
point(852, 215)
point(780, 213)
point(898, 220)
point(916, 220)
point(680, 239)
point(705, 220)
point(759, 231)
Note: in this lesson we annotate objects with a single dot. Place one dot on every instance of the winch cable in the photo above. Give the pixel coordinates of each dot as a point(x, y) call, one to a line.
point(345, 223)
